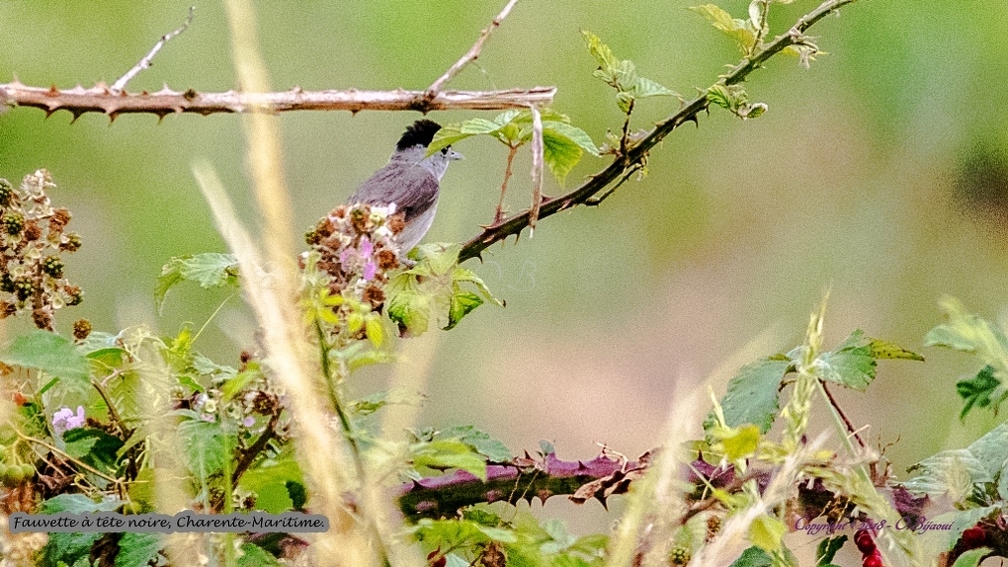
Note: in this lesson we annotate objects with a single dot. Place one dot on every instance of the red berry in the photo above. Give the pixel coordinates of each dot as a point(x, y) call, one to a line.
point(864, 541)
point(974, 537)
point(872, 560)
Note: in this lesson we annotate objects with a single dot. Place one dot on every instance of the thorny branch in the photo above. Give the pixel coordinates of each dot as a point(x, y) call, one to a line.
point(636, 153)
point(145, 63)
point(101, 99)
point(113, 100)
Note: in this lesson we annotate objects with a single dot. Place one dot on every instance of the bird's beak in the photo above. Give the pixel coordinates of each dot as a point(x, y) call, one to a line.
point(453, 155)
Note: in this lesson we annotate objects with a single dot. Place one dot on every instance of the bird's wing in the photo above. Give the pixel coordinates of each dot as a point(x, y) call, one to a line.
point(412, 188)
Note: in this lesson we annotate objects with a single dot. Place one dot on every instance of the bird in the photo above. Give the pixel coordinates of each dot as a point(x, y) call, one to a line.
point(411, 180)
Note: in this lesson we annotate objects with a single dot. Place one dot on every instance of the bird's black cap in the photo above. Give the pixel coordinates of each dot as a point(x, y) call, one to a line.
point(420, 133)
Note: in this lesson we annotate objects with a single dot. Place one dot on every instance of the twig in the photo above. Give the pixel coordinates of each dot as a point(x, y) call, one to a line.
point(471, 55)
point(145, 63)
point(843, 416)
point(499, 213)
point(68, 457)
point(101, 99)
point(688, 113)
point(537, 168)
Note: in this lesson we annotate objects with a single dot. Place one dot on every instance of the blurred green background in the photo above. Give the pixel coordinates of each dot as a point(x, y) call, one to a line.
point(879, 174)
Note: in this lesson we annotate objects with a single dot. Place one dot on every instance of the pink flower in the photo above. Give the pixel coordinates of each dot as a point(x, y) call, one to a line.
point(362, 258)
point(64, 419)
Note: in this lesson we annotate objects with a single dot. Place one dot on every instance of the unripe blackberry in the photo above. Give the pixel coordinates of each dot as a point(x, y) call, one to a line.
point(53, 266)
point(81, 329)
point(6, 193)
point(6, 283)
point(713, 527)
point(24, 287)
point(72, 244)
point(680, 555)
point(13, 223)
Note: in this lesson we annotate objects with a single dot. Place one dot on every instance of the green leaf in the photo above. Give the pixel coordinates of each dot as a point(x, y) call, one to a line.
point(409, 308)
point(206, 447)
point(950, 472)
point(51, 353)
point(991, 450)
point(828, 548)
point(462, 303)
point(572, 133)
point(488, 446)
point(644, 87)
point(981, 391)
point(850, 364)
point(752, 393)
point(885, 350)
point(560, 153)
point(271, 482)
point(739, 442)
point(374, 330)
point(255, 556)
point(137, 549)
point(753, 557)
point(94, 447)
point(445, 454)
point(966, 520)
point(972, 557)
point(767, 533)
point(374, 402)
point(210, 269)
point(78, 504)
point(970, 333)
point(599, 50)
point(739, 30)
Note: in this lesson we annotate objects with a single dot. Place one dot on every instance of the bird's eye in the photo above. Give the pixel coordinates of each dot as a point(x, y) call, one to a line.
point(444, 151)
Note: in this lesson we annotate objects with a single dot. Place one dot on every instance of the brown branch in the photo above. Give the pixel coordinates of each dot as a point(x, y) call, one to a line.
point(472, 54)
point(638, 152)
point(146, 62)
point(499, 213)
point(102, 99)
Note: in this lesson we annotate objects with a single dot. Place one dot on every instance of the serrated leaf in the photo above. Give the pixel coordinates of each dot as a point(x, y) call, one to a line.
point(205, 445)
point(752, 394)
point(462, 303)
point(767, 533)
point(443, 454)
point(374, 330)
point(448, 134)
point(410, 309)
point(965, 520)
point(753, 557)
point(210, 269)
point(951, 472)
point(137, 549)
point(93, 447)
point(738, 442)
point(488, 446)
point(51, 353)
point(255, 556)
point(970, 333)
point(991, 450)
point(374, 402)
point(644, 87)
point(600, 51)
point(560, 153)
point(737, 29)
point(972, 557)
point(78, 504)
point(885, 350)
point(572, 133)
point(828, 548)
point(850, 364)
point(981, 391)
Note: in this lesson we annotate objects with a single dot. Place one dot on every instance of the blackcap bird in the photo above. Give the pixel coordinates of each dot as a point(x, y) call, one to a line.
point(411, 181)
